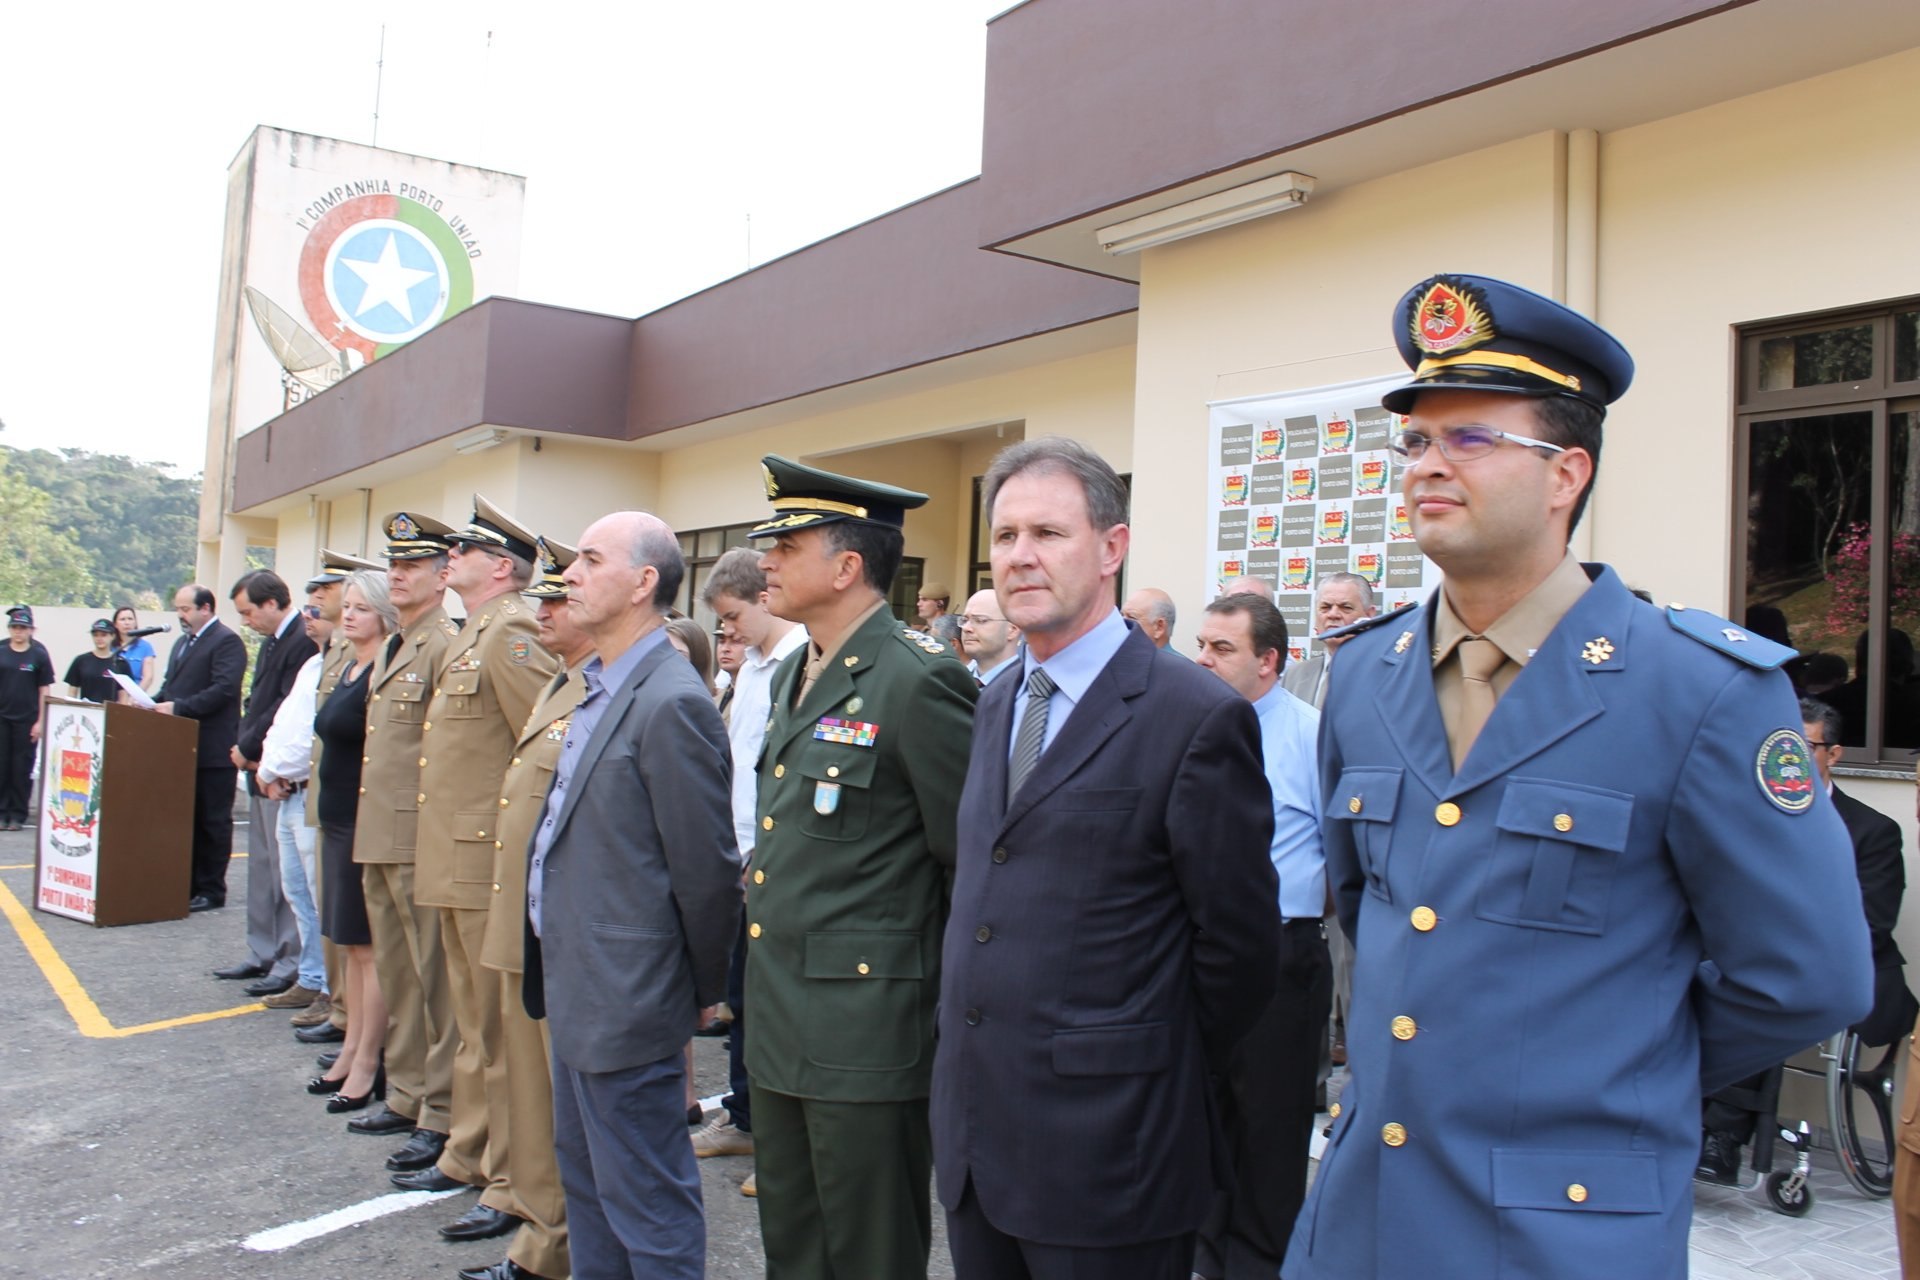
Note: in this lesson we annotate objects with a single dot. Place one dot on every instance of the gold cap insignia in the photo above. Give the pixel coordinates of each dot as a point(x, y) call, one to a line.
point(1449, 317)
point(402, 527)
point(773, 486)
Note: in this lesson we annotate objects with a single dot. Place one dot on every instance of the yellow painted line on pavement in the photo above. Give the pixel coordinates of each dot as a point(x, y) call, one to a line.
point(18, 866)
point(85, 1013)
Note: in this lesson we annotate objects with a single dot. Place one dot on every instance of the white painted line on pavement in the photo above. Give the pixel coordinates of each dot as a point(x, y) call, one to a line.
point(277, 1238)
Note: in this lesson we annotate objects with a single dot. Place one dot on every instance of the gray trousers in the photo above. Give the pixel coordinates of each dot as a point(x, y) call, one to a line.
point(273, 938)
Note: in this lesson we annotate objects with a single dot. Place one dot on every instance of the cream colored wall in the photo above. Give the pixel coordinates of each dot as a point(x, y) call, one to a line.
point(1090, 398)
point(1795, 200)
point(1300, 300)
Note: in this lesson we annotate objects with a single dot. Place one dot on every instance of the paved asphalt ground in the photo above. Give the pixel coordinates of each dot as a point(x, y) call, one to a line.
point(160, 1153)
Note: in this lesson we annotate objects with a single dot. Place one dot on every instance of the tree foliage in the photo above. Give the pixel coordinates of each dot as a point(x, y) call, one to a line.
point(132, 524)
point(41, 563)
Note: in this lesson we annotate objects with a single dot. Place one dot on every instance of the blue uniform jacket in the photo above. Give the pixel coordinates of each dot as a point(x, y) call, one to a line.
point(1556, 949)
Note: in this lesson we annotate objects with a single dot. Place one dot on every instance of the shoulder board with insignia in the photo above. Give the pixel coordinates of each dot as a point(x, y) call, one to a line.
point(449, 626)
point(1715, 632)
point(1366, 624)
point(922, 640)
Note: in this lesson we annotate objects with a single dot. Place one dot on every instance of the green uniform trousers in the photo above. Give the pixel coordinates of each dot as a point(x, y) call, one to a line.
point(844, 1187)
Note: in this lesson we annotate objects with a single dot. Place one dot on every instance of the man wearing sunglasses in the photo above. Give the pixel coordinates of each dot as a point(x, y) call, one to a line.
point(1553, 817)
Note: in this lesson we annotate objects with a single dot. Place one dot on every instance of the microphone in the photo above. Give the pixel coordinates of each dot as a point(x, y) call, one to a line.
point(138, 632)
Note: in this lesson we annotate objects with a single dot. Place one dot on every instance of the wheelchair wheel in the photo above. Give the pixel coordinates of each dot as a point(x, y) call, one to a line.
point(1789, 1193)
point(1860, 1113)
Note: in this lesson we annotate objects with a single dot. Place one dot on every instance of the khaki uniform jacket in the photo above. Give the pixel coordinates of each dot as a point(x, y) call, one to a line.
point(332, 667)
point(848, 893)
point(386, 825)
point(524, 796)
point(482, 695)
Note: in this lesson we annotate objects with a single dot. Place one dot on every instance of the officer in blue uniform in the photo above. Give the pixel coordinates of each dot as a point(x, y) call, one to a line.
point(1576, 840)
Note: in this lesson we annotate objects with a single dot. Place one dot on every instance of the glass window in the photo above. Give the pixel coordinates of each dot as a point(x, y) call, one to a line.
point(1816, 359)
point(1830, 512)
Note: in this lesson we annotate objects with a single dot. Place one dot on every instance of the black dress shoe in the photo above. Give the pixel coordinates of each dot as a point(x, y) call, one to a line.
point(480, 1223)
point(427, 1179)
point(326, 1060)
point(1719, 1159)
point(422, 1150)
point(201, 902)
point(268, 986)
point(245, 969)
point(381, 1123)
point(505, 1269)
point(321, 1086)
point(325, 1033)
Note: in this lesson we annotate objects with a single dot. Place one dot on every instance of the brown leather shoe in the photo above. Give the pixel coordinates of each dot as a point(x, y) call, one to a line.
point(316, 1013)
point(294, 997)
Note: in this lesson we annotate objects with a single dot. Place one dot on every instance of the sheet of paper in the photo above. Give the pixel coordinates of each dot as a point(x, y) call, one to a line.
point(139, 695)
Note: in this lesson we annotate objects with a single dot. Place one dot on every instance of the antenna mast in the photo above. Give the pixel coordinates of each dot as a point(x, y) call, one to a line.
point(379, 71)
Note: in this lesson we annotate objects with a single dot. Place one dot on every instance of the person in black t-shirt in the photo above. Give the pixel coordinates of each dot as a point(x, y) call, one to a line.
point(90, 675)
point(26, 669)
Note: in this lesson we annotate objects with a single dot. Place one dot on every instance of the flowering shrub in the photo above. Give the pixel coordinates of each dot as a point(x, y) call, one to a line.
point(1850, 575)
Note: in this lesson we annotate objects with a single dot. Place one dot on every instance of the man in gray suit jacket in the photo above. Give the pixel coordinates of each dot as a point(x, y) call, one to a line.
point(633, 900)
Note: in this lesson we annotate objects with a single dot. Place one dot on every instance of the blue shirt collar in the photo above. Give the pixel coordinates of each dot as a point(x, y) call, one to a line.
point(599, 675)
point(1074, 669)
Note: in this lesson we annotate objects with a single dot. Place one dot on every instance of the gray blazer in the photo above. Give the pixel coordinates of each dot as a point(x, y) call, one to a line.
point(641, 888)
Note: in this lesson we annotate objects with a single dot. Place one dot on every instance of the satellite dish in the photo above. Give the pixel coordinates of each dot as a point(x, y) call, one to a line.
point(300, 352)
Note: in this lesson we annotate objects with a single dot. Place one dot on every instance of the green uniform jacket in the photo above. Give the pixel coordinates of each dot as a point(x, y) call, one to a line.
point(848, 893)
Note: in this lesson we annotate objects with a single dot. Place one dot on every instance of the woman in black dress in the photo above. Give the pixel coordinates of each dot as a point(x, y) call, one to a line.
point(366, 618)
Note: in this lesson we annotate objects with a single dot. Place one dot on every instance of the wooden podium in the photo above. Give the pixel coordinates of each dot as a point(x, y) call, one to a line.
point(116, 813)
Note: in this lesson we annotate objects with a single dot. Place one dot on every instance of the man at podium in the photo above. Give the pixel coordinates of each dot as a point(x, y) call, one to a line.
point(203, 683)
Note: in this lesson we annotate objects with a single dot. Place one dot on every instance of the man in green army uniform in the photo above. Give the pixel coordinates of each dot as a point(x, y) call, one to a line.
point(482, 695)
point(539, 1249)
point(865, 757)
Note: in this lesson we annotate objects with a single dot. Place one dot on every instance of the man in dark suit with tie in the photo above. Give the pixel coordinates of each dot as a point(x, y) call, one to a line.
point(204, 672)
point(1115, 926)
point(633, 900)
point(273, 940)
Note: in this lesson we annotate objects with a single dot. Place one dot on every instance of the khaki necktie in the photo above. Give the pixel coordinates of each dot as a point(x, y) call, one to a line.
point(1479, 659)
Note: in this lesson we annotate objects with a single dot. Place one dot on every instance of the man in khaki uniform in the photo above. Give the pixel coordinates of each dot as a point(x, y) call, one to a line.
point(407, 953)
point(540, 1249)
point(482, 694)
point(324, 590)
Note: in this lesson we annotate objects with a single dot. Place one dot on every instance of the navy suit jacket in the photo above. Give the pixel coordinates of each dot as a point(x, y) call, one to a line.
point(640, 893)
point(203, 683)
point(1113, 933)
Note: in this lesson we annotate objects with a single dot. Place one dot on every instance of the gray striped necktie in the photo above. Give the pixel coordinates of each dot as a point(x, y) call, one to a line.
point(1033, 731)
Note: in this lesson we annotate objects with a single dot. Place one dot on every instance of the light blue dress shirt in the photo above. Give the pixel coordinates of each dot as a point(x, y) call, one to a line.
point(1072, 670)
point(1289, 745)
point(601, 681)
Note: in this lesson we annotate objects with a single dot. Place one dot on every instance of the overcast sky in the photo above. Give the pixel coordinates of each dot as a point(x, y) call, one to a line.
point(647, 132)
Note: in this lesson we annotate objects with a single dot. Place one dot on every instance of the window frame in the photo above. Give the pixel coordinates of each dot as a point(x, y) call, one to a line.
point(1878, 395)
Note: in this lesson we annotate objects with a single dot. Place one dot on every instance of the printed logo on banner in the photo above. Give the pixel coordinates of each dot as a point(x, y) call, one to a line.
point(1398, 529)
point(1297, 572)
point(1337, 436)
point(1371, 477)
point(1229, 570)
point(1266, 530)
point(1302, 484)
point(1233, 490)
point(1269, 443)
point(1236, 444)
point(1232, 532)
point(1333, 526)
point(1367, 565)
point(1371, 428)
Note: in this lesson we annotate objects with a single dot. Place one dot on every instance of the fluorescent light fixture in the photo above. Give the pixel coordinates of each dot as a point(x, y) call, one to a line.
point(1208, 213)
point(475, 441)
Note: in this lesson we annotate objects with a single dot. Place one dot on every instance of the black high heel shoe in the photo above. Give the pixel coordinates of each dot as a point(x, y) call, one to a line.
point(320, 1086)
point(344, 1102)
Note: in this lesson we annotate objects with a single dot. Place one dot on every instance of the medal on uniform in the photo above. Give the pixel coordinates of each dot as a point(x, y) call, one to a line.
point(826, 797)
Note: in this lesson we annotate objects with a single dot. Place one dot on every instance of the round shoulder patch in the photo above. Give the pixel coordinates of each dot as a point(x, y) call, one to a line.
point(1784, 769)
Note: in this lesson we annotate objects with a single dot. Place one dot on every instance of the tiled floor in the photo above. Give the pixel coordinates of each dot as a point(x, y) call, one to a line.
point(1845, 1236)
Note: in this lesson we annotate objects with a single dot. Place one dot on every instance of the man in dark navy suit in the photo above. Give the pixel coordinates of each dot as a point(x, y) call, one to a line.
point(204, 672)
point(1115, 924)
